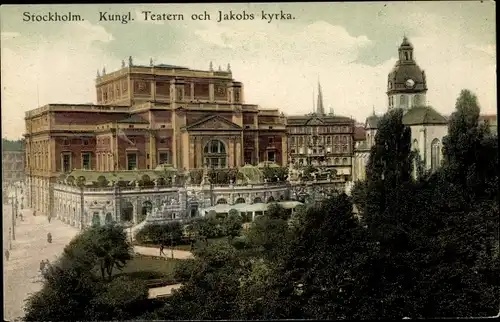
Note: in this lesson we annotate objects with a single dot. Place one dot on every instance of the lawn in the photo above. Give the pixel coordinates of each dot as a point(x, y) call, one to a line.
point(150, 269)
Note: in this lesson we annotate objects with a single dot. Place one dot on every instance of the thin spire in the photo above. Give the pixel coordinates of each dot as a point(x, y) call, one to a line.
point(373, 110)
point(319, 106)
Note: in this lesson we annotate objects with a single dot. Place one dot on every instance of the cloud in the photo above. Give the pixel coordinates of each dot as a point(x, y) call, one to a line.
point(51, 71)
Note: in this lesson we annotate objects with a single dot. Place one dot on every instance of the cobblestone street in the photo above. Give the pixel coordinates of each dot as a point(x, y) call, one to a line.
point(21, 271)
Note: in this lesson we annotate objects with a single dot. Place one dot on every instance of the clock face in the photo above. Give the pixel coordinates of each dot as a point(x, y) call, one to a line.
point(410, 83)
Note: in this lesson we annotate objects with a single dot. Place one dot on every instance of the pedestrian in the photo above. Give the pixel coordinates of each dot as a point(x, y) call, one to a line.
point(7, 254)
point(42, 266)
point(22, 219)
point(162, 247)
point(49, 217)
point(49, 238)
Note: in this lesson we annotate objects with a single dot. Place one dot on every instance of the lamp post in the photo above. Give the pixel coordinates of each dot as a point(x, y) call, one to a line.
point(13, 219)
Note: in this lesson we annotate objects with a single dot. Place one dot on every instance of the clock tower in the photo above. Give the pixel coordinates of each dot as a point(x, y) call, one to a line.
point(406, 86)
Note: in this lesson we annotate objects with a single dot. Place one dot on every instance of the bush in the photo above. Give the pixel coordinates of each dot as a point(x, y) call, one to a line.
point(240, 242)
point(158, 233)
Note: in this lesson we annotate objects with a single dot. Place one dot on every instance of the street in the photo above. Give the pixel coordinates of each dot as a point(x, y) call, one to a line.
point(21, 271)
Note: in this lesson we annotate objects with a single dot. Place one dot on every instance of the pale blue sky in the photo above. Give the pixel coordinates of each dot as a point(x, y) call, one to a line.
point(350, 47)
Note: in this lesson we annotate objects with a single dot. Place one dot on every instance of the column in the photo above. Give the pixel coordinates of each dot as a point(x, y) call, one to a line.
point(152, 151)
point(231, 152)
point(256, 148)
point(192, 155)
point(211, 89)
point(198, 152)
point(192, 92)
point(284, 151)
point(238, 153)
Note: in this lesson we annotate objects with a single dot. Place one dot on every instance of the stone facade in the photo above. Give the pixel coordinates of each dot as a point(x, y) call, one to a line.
point(81, 207)
point(321, 139)
point(12, 166)
point(146, 116)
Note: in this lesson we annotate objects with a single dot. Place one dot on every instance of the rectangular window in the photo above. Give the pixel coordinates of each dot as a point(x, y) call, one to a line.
point(66, 162)
point(163, 158)
point(86, 160)
point(131, 161)
point(271, 156)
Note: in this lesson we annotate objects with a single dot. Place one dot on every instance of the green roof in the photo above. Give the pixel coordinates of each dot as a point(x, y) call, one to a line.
point(252, 174)
point(372, 121)
point(91, 176)
point(420, 115)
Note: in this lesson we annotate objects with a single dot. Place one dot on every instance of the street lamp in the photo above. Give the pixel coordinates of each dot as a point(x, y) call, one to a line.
point(13, 219)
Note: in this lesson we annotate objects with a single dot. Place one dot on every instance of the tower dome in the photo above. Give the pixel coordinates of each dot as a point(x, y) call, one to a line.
point(406, 86)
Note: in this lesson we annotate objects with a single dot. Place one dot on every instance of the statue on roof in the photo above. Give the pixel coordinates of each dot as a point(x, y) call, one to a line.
point(220, 69)
point(229, 67)
point(104, 71)
point(123, 63)
point(151, 62)
point(98, 75)
point(130, 63)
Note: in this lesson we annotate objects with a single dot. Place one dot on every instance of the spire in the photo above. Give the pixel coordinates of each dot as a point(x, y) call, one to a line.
point(373, 110)
point(211, 67)
point(320, 110)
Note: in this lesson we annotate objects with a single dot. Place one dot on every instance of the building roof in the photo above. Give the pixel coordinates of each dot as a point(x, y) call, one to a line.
point(325, 119)
point(491, 118)
point(359, 133)
point(372, 121)
point(423, 115)
point(135, 119)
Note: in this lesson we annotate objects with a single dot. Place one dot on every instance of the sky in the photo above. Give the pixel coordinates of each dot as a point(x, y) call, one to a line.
point(348, 47)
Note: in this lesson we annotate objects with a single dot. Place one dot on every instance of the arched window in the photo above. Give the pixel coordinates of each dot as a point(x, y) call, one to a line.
point(221, 201)
point(337, 161)
point(215, 154)
point(344, 161)
point(435, 154)
point(240, 200)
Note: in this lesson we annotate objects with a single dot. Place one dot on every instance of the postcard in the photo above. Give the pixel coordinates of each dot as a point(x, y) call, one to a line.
point(249, 161)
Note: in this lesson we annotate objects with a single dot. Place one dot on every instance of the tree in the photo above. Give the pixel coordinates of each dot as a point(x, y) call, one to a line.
point(269, 232)
point(210, 290)
point(231, 225)
point(79, 286)
point(320, 274)
point(467, 147)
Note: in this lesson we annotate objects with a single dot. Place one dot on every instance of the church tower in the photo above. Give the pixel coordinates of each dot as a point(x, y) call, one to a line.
point(406, 86)
point(320, 110)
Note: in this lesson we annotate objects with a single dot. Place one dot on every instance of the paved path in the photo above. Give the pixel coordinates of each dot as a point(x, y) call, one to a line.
point(163, 290)
point(21, 271)
point(155, 252)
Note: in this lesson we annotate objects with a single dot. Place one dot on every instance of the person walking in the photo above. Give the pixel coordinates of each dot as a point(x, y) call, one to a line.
point(162, 247)
point(49, 238)
point(7, 254)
